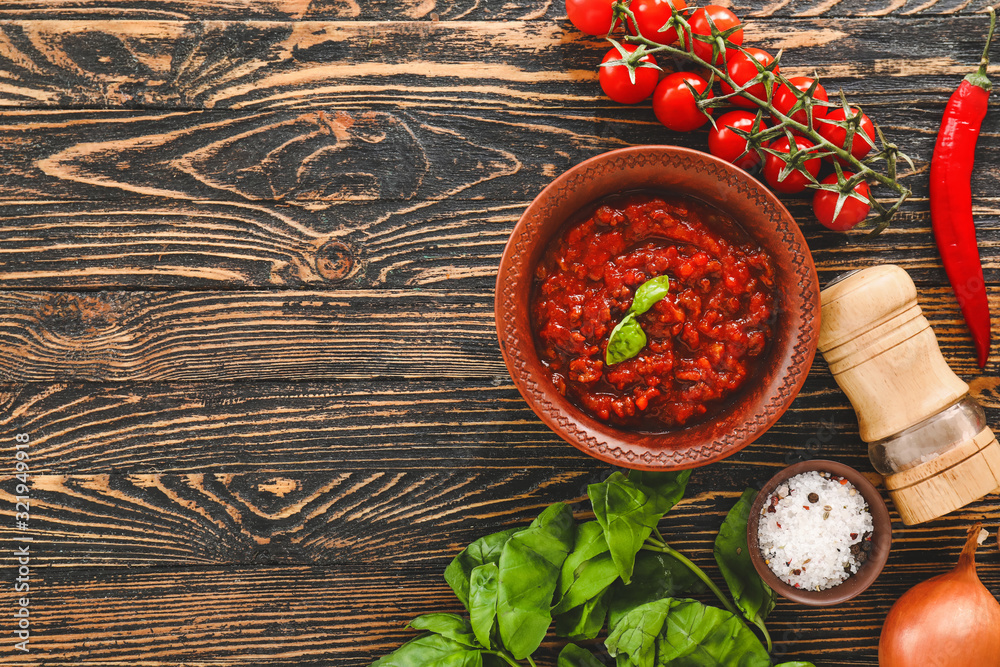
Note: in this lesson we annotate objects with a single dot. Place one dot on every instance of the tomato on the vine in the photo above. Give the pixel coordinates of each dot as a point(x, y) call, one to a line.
point(837, 135)
point(784, 99)
point(852, 211)
point(674, 104)
point(593, 17)
point(795, 181)
point(731, 147)
point(651, 15)
point(723, 20)
point(742, 70)
point(615, 80)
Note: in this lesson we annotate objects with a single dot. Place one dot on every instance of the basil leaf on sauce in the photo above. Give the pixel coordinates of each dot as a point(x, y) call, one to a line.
point(649, 293)
point(626, 340)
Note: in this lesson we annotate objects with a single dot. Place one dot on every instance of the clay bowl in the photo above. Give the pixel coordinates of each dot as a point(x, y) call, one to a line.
point(869, 570)
point(762, 399)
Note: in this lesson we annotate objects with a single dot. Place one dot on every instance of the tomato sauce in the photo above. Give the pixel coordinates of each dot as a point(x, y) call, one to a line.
point(703, 338)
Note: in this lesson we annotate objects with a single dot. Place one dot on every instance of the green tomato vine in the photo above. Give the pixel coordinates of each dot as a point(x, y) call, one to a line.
point(879, 167)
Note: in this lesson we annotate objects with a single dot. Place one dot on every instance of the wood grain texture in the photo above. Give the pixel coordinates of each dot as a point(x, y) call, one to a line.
point(292, 10)
point(425, 64)
point(178, 336)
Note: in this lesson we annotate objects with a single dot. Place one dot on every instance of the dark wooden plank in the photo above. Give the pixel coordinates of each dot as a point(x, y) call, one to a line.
point(289, 157)
point(447, 10)
point(218, 336)
point(425, 64)
point(293, 10)
point(342, 517)
point(288, 335)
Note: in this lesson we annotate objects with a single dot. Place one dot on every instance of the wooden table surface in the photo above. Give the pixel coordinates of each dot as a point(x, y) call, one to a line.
point(247, 255)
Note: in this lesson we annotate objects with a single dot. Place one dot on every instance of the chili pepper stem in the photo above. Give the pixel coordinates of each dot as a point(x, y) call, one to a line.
point(979, 78)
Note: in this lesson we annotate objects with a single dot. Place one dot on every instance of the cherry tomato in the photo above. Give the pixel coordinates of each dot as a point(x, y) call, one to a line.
point(795, 181)
point(742, 69)
point(731, 147)
point(651, 15)
point(724, 20)
point(617, 84)
point(674, 104)
point(590, 16)
point(784, 99)
point(851, 212)
point(837, 135)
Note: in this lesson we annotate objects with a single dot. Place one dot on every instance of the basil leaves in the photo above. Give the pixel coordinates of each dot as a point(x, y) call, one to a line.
point(615, 574)
point(627, 338)
point(754, 598)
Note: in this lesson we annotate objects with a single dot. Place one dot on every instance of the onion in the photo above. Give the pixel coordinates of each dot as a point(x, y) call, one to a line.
point(951, 619)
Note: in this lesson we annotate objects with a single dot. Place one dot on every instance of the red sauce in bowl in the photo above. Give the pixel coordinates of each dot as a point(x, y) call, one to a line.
point(703, 338)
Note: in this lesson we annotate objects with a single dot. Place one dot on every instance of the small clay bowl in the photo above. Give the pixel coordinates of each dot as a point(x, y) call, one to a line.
point(869, 570)
point(762, 399)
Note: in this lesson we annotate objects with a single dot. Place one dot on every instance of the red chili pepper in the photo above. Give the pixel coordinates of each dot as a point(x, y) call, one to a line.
point(951, 198)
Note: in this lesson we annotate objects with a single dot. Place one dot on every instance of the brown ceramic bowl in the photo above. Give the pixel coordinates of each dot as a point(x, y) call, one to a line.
point(761, 400)
point(869, 570)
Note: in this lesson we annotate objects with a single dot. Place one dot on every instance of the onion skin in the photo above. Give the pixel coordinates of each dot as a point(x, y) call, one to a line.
point(949, 620)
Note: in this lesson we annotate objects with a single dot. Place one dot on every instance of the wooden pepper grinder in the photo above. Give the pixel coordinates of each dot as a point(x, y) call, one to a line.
point(924, 431)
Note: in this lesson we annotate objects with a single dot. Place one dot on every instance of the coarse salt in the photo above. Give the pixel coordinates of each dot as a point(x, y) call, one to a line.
point(815, 531)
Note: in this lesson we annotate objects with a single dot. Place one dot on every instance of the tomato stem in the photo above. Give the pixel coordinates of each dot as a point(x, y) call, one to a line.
point(889, 153)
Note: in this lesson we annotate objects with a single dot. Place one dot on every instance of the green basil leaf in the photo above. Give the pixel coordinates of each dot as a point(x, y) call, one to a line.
point(684, 633)
point(483, 591)
point(627, 516)
point(587, 571)
point(632, 641)
point(753, 597)
point(484, 550)
point(649, 293)
point(584, 621)
point(452, 626)
point(627, 340)
point(432, 650)
point(530, 563)
point(655, 576)
point(574, 656)
point(665, 489)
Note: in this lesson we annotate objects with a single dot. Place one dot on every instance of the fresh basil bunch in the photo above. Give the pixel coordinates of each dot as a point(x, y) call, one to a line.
point(627, 338)
point(616, 571)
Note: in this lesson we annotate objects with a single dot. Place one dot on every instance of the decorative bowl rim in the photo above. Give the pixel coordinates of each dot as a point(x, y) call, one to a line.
point(600, 440)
